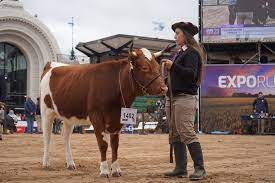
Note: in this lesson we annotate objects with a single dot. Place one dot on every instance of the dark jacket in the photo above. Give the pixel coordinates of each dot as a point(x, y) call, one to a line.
point(260, 105)
point(185, 72)
point(30, 108)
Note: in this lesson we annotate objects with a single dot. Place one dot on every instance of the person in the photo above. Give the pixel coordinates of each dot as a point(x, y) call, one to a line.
point(18, 116)
point(185, 71)
point(232, 11)
point(30, 109)
point(13, 116)
point(2, 118)
point(260, 107)
point(10, 120)
point(57, 126)
point(38, 116)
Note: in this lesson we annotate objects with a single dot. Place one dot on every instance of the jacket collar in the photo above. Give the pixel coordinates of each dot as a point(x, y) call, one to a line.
point(184, 47)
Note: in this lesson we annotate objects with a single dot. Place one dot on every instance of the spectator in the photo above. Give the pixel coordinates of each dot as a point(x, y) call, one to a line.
point(260, 106)
point(30, 109)
point(13, 116)
point(57, 126)
point(38, 116)
point(232, 11)
point(10, 120)
point(2, 118)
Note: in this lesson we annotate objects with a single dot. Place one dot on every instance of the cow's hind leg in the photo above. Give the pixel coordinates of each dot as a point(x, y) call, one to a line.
point(116, 171)
point(47, 117)
point(103, 146)
point(68, 129)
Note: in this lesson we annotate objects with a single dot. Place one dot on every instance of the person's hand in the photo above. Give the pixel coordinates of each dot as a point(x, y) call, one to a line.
point(31, 113)
point(254, 110)
point(167, 63)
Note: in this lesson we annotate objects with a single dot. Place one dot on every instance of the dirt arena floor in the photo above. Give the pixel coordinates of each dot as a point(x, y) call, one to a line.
point(143, 158)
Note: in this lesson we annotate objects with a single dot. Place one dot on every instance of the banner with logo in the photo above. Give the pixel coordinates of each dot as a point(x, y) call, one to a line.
point(228, 92)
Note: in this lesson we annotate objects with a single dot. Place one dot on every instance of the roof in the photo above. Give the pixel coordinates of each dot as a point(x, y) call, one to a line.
point(121, 43)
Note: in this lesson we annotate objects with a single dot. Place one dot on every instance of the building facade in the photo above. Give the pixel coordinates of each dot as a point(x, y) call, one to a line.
point(26, 45)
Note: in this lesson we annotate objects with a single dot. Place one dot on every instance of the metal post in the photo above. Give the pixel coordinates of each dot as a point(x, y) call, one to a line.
point(143, 123)
point(259, 52)
point(72, 57)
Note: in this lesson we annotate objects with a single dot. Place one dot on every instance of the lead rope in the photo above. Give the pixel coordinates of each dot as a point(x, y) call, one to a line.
point(171, 103)
point(120, 87)
point(171, 116)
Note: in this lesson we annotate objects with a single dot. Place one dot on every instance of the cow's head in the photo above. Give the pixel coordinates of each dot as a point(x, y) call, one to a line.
point(146, 71)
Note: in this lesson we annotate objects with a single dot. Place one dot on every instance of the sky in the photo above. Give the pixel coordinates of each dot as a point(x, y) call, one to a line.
point(96, 19)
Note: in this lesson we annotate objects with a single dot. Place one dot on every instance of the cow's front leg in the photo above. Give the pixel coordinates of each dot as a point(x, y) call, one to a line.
point(116, 171)
point(103, 146)
point(68, 130)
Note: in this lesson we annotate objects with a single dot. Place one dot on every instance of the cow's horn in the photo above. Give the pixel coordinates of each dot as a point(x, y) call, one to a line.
point(168, 47)
point(157, 54)
point(133, 53)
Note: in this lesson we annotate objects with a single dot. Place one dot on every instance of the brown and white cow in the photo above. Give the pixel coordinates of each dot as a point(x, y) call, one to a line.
point(96, 93)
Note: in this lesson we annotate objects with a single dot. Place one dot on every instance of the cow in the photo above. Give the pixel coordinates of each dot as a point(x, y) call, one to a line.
point(96, 93)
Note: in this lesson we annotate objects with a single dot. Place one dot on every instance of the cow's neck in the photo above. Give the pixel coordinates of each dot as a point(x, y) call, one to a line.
point(130, 89)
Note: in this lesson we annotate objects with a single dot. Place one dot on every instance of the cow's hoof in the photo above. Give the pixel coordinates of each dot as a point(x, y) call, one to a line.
point(116, 174)
point(71, 167)
point(104, 175)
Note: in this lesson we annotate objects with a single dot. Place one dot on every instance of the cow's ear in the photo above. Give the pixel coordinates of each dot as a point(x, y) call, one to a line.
point(132, 56)
point(131, 46)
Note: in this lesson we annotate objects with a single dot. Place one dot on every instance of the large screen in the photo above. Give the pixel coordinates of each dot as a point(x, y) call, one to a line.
point(228, 92)
point(234, 21)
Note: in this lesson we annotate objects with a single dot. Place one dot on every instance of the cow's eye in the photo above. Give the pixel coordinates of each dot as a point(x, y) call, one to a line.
point(145, 69)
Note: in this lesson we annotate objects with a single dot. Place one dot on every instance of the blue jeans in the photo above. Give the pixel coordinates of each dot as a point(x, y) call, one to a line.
point(30, 124)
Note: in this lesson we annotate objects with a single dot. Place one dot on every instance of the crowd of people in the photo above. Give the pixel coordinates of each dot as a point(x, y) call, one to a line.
point(31, 114)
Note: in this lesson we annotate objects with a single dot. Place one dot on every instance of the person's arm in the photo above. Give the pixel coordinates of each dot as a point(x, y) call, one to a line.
point(190, 67)
point(27, 108)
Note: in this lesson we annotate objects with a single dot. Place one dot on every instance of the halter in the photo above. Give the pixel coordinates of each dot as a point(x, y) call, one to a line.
point(144, 88)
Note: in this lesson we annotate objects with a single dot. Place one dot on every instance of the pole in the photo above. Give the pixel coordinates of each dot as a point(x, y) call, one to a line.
point(171, 116)
point(72, 55)
point(72, 33)
point(143, 123)
point(259, 52)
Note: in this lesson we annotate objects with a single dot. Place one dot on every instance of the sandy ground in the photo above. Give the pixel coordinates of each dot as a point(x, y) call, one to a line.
point(143, 158)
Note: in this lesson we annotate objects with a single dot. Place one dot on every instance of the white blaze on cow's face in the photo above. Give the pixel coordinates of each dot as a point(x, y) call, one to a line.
point(147, 71)
point(147, 53)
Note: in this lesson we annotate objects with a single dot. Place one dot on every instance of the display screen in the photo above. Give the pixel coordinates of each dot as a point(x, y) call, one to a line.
point(234, 21)
point(228, 92)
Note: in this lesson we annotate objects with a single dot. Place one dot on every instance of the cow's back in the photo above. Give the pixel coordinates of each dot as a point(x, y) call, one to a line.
point(74, 90)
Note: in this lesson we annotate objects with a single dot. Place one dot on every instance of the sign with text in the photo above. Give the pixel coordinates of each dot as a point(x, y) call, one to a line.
point(128, 116)
point(228, 92)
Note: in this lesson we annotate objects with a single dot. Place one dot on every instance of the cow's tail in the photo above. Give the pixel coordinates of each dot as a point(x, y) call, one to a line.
point(47, 67)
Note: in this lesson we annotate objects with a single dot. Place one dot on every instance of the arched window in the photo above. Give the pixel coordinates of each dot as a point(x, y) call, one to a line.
point(13, 75)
